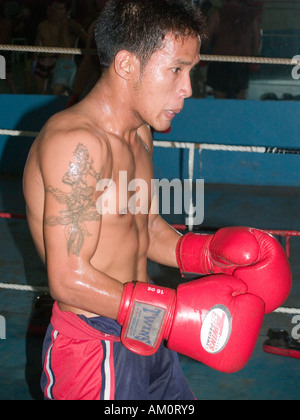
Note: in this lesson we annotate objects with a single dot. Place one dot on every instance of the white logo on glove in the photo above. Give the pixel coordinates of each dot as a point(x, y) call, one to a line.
point(216, 329)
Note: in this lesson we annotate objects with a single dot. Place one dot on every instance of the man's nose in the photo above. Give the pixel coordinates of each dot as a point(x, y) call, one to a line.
point(186, 90)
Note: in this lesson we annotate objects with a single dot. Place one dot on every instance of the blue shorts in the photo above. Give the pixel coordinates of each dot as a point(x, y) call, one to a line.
point(84, 359)
point(64, 73)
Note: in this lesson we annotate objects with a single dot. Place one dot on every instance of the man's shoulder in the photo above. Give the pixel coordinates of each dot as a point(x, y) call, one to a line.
point(62, 135)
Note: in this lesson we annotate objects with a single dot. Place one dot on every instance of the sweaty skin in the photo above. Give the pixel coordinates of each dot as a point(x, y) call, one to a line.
point(90, 256)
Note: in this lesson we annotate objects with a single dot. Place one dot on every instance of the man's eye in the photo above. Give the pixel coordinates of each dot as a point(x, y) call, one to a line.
point(176, 69)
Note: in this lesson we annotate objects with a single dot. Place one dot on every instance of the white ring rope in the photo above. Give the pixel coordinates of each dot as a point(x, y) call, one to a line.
point(183, 145)
point(204, 57)
point(18, 133)
point(290, 311)
point(224, 147)
point(23, 288)
point(41, 289)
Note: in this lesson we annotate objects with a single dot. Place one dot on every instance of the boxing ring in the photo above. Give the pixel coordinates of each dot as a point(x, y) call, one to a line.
point(193, 151)
point(287, 234)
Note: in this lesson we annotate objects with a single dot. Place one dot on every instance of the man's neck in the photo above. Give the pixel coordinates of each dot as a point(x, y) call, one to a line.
point(111, 107)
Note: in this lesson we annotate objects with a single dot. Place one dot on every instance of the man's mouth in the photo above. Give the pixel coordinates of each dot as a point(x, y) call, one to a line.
point(171, 114)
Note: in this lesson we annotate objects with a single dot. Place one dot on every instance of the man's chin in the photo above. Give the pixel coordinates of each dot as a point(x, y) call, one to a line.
point(163, 129)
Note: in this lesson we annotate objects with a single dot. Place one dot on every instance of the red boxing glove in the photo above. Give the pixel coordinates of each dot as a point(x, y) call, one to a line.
point(214, 321)
point(250, 254)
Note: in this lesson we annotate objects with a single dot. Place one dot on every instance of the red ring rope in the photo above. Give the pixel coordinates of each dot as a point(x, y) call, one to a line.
point(285, 233)
point(12, 216)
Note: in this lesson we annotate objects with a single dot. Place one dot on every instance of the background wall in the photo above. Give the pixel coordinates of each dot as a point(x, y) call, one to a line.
point(250, 123)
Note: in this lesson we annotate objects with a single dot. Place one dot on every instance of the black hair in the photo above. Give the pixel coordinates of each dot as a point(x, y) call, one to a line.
point(140, 26)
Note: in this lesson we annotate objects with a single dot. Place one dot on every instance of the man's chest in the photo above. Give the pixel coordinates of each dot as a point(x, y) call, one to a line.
point(129, 190)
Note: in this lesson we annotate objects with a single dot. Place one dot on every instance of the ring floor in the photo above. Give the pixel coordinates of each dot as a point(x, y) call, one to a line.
point(266, 377)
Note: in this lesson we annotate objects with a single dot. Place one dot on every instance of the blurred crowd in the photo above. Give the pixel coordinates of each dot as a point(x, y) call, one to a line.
point(233, 29)
point(50, 23)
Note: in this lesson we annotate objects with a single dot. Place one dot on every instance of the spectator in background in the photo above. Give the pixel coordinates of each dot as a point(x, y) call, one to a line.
point(89, 71)
point(199, 72)
point(84, 12)
point(70, 33)
point(234, 30)
point(57, 31)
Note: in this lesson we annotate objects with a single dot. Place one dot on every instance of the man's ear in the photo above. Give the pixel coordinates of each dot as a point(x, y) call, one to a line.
point(125, 64)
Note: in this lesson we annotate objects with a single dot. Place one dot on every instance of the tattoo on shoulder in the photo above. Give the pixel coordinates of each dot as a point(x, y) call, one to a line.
point(79, 204)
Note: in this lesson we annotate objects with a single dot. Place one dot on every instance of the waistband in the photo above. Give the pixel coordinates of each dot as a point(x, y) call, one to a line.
point(84, 329)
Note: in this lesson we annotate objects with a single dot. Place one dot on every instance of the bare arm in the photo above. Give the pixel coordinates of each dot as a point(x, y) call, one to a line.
point(78, 31)
point(162, 237)
point(71, 166)
point(163, 242)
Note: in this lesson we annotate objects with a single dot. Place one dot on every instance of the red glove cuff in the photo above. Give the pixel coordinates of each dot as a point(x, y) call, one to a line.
point(146, 313)
point(125, 302)
point(192, 254)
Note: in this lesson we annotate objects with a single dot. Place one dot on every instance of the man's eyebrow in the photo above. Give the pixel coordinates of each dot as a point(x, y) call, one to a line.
point(181, 62)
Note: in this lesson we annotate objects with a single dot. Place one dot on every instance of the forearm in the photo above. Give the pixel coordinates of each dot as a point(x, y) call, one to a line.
point(86, 289)
point(163, 242)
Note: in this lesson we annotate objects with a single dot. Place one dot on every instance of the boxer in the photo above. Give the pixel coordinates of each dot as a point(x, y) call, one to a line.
point(97, 261)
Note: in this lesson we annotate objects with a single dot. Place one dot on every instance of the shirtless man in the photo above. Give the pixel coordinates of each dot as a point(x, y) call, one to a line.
point(57, 31)
point(93, 257)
